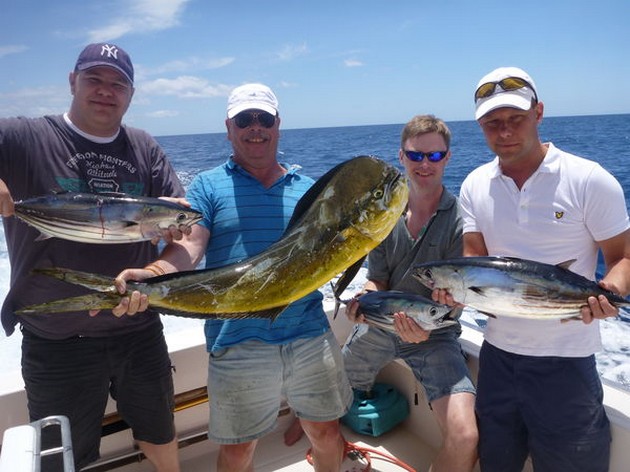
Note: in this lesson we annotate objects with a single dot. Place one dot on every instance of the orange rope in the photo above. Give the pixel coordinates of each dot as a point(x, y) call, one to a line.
point(364, 452)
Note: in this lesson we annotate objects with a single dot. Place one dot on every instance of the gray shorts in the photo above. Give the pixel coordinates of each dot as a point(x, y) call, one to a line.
point(247, 383)
point(438, 363)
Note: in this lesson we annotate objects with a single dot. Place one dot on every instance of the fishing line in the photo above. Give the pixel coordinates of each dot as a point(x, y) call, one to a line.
point(356, 453)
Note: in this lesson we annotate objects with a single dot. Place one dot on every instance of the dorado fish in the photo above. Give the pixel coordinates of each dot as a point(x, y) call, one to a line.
point(344, 215)
point(508, 286)
point(103, 218)
point(379, 306)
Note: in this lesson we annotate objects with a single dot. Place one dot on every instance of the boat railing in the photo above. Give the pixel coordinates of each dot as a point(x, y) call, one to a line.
point(22, 446)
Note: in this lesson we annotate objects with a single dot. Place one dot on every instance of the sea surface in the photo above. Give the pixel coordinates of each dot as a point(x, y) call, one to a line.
point(605, 139)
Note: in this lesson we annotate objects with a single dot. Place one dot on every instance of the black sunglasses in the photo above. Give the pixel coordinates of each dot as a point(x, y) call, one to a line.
point(508, 84)
point(433, 156)
point(248, 118)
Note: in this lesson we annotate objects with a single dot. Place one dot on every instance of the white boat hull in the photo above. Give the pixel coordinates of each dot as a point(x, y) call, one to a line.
point(415, 441)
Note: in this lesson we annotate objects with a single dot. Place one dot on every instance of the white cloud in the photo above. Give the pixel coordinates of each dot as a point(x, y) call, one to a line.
point(32, 102)
point(352, 63)
point(290, 52)
point(163, 114)
point(12, 49)
point(140, 16)
point(190, 64)
point(185, 87)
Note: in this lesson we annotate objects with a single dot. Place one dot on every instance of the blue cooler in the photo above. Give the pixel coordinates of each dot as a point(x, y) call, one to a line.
point(377, 411)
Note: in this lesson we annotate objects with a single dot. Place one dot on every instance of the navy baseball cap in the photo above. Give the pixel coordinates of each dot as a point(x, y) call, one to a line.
point(103, 54)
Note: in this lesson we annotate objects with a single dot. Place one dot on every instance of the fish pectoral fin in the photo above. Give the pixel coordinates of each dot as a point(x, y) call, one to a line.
point(42, 237)
point(348, 276)
point(487, 314)
point(478, 290)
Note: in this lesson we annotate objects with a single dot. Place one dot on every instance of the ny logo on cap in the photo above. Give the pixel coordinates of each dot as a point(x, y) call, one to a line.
point(111, 51)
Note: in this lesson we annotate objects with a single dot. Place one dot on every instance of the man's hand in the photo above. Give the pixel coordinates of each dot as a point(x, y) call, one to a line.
point(599, 307)
point(352, 311)
point(7, 207)
point(136, 302)
point(408, 330)
point(441, 295)
point(174, 233)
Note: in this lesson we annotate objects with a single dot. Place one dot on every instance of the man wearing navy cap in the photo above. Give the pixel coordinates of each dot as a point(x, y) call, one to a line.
point(71, 362)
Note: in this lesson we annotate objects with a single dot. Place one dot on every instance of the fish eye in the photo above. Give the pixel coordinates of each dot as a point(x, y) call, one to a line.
point(378, 193)
point(181, 217)
point(433, 311)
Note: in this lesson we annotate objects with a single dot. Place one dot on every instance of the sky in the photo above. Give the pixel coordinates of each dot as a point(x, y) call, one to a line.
point(331, 63)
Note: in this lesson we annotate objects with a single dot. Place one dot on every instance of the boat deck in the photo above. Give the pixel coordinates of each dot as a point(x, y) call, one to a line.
point(272, 455)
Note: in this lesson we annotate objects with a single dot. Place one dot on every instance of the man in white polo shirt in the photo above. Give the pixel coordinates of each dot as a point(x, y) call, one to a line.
point(539, 392)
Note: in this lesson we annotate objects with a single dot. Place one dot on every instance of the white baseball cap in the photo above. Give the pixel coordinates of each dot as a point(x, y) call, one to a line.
point(519, 97)
point(252, 96)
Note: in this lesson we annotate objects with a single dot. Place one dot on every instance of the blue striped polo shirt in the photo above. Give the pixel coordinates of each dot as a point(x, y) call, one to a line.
point(244, 218)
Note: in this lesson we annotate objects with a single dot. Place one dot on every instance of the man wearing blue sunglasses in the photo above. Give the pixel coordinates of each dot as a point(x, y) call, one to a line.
point(430, 229)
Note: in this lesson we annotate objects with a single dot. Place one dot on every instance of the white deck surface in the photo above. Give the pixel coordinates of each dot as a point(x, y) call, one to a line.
point(273, 456)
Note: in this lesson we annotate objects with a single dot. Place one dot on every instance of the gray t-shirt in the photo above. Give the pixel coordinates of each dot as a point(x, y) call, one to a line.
point(41, 155)
point(392, 260)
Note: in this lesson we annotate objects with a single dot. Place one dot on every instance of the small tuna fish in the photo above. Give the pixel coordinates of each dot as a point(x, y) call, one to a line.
point(509, 286)
point(103, 218)
point(379, 306)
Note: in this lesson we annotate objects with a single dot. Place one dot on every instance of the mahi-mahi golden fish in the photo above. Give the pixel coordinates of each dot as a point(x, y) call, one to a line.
point(344, 215)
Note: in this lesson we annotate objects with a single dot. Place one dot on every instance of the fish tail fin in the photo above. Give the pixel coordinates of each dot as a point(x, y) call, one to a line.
point(92, 301)
point(100, 283)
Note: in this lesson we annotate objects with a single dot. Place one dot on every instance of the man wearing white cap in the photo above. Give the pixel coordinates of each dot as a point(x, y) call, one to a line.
point(247, 203)
point(539, 392)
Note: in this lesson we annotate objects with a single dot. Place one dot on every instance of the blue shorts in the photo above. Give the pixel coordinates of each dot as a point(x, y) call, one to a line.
point(74, 377)
point(548, 407)
point(438, 363)
point(247, 383)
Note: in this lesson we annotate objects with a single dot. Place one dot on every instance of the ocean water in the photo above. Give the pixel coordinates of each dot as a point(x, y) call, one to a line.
point(605, 139)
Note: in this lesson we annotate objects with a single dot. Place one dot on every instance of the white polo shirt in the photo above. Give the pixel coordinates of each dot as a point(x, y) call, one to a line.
point(567, 205)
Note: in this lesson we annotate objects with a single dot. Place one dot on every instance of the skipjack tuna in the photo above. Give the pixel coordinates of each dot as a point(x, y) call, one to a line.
point(509, 286)
point(378, 308)
point(103, 218)
point(344, 215)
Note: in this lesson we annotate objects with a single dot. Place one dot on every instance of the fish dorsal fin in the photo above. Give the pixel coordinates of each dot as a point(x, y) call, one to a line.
point(566, 264)
point(311, 195)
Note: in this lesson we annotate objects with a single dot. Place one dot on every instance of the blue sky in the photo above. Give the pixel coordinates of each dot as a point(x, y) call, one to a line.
point(331, 63)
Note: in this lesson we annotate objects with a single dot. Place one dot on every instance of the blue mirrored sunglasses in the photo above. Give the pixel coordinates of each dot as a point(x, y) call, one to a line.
point(433, 156)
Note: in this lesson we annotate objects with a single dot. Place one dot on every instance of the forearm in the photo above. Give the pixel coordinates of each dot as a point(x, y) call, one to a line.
point(375, 285)
point(618, 277)
point(184, 254)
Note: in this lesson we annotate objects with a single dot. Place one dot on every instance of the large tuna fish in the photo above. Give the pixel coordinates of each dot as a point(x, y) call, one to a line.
point(344, 215)
point(103, 218)
point(508, 286)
